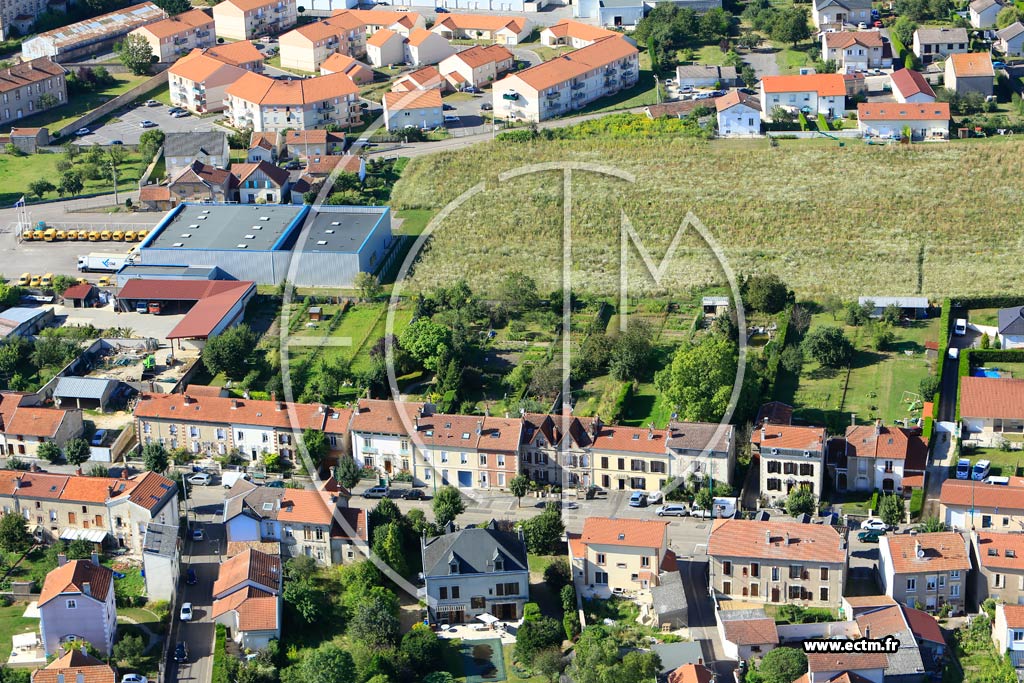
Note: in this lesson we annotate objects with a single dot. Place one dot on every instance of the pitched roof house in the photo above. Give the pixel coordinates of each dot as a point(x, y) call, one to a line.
point(970, 72)
point(207, 147)
point(77, 603)
point(616, 555)
point(246, 598)
point(910, 86)
point(261, 182)
point(931, 569)
point(877, 457)
point(75, 666)
point(574, 34)
point(503, 30)
point(991, 407)
point(420, 109)
point(198, 81)
point(983, 13)
point(1011, 327)
point(924, 120)
point(359, 72)
point(812, 93)
point(199, 182)
point(938, 43)
point(1011, 40)
point(478, 66)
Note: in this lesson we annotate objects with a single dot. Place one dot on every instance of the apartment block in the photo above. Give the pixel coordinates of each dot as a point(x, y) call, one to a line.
point(31, 87)
point(777, 562)
point(177, 36)
point(269, 104)
point(307, 47)
point(568, 82)
point(199, 82)
point(247, 19)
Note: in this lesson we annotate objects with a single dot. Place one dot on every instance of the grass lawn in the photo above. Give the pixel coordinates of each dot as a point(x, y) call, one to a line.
point(538, 563)
point(544, 52)
point(515, 675)
point(275, 62)
point(149, 664)
point(17, 172)
point(11, 624)
point(459, 97)
point(77, 106)
point(414, 221)
point(710, 54)
point(163, 95)
point(615, 608)
point(880, 383)
point(646, 406)
point(790, 58)
point(640, 95)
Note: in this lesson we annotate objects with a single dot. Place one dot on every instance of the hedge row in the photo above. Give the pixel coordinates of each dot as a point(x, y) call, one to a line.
point(979, 356)
point(916, 503)
point(947, 306)
point(220, 656)
point(992, 301)
point(774, 351)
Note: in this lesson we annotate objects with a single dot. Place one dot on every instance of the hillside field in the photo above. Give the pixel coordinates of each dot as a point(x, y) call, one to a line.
point(931, 219)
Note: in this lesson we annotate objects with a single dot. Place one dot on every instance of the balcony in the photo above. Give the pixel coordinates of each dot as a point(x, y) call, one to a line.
point(578, 96)
point(510, 96)
point(577, 86)
point(325, 107)
point(611, 71)
point(553, 95)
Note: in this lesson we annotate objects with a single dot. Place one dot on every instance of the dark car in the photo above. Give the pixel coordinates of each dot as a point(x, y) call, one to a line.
point(473, 90)
point(275, 484)
point(293, 165)
point(181, 652)
point(447, 107)
point(869, 536)
point(486, 106)
point(191, 578)
point(441, 10)
point(413, 494)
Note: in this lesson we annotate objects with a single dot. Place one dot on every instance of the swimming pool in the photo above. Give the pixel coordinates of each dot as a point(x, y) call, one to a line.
point(986, 372)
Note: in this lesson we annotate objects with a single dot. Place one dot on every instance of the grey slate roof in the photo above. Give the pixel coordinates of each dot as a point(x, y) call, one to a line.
point(196, 144)
point(474, 550)
point(982, 5)
point(930, 36)
point(696, 436)
point(1011, 31)
point(705, 71)
point(259, 503)
point(674, 655)
point(1011, 320)
point(669, 597)
point(898, 301)
point(847, 4)
point(161, 539)
point(83, 387)
point(21, 314)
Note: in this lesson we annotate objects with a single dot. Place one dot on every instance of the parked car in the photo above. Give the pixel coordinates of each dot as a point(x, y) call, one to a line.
point(186, 612)
point(675, 510)
point(998, 65)
point(377, 492)
point(82, 131)
point(451, 118)
point(293, 165)
point(447, 107)
point(180, 114)
point(963, 468)
point(878, 24)
point(960, 327)
point(596, 492)
point(441, 10)
point(118, 142)
point(873, 524)
point(134, 678)
point(147, 124)
point(638, 499)
point(198, 534)
point(152, 103)
point(413, 494)
point(486, 106)
point(473, 90)
point(201, 479)
point(700, 513)
point(654, 497)
point(869, 536)
point(980, 470)
point(191, 578)
point(181, 652)
point(275, 484)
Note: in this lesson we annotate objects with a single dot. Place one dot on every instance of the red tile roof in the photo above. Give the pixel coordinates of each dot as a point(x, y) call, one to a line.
point(908, 111)
point(843, 39)
point(72, 577)
point(481, 22)
point(355, 521)
point(382, 417)
point(417, 99)
point(631, 533)
point(942, 551)
point(214, 299)
point(151, 489)
point(576, 63)
point(94, 489)
point(80, 291)
point(751, 631)
point(253, 566)
point(691, 673)
point(790, 437)
point(217, 410)
point(768, 540)
point(306, 507)
point(854, 661)
point(75, 666)
point(237, 53)
point(1014, 615)
point(41, 485)
point(1001, 550)
point(879, 622)
point(923, 625)
point(980, 495)
point(888, 443)
point(734, 97)
point(826, 85)
point(577, 29)
point(971, 64)
point(630, 439)
point(178, 24)
point(909, 82)
point(257, 610)
point(992, 397)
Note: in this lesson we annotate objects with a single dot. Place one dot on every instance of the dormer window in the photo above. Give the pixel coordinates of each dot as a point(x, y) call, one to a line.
point(499, 563)
point(453, 566)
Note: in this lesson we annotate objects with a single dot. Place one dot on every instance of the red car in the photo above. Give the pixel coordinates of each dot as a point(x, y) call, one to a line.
point(877, 24)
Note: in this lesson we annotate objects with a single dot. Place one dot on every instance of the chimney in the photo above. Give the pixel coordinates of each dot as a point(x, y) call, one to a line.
point(416, 421)
point(479, 427)
point(273, 395)
point(787, 538)
point(234, 404)
point(487, 411)
point(764, 432)
point(17, 482)
point(96, 559)
point(87, 588)
point(280, 406)
point(124, 473)
point(853, 419)
point(867, 632)
point(62, 559)
point(768, 536)
point(878, 426)
point(650, 431)
point(78, 471)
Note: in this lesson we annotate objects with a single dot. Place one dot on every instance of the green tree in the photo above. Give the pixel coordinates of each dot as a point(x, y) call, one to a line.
point(427, 342)
point(136, 54)
point(903, 28)
point(929, 386)
point(328, 664)
point(558, 574)
point(698, 383)
point(229, 351)
point(316, 444)
point(1008, 15)
point(155, 457)
point(550, 663)
point(447, 505)
point(519, 291)
point(892, 510)
point(792, 359)
point(300, 568)
point(439, 677)
point(70, 183)
point(765, 293)
point(790, 26)
point(536, 635)
point(596, 653)
point(151, 141)
point(800, 501)
point(631, 352)
point(347, 472)
point(783, 665)
point(50, 452)
point(40, 187)
point(306, 598)
point(129, 650)
point(173, 7)
point(931, 525)
point(77, 451)
point(387, 544)
point(703, 498)
point(61, 283)
point(828, 346)
point(14, 535)
point(518, 486)
point(423, 648)
point(544, 532)
point(368, 285)
point(374, 621)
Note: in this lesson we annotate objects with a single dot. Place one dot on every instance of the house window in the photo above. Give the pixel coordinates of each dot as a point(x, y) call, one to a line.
point(796, 571)
point(455, 592)
point(444, 592)
point(727, 568)
point(911, 585)
point(824, 573)
point(1018, 636)
point(240, 437)
point(954, 575)
point(463, 459)
point(483, 460)
point(645, 561)
point(998, 581)
point(775, 573)
point(501, 461)
point(954, 590)
point(795, 592)
point(755, 569)
point(600, 558)
point(71, 604)
point(823, 596)
point(601, 578)
point(727, 587)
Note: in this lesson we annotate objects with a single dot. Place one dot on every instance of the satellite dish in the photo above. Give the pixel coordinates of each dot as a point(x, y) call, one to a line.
point(920, 553)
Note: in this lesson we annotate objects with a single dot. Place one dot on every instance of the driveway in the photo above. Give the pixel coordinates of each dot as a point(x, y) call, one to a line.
point(763, 63)
point(468, 111)
point(128, 129)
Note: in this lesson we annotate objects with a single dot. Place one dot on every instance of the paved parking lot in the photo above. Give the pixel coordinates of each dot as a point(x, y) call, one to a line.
point(61, 258)
point(468, 111)
point(128, 130)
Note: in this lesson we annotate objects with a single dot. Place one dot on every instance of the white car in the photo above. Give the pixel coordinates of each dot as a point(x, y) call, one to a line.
point(677, 510)
point(654, 497)
point(186, 612)
point(82, 131)
point(134, 678)
point(200, 479)
point(960, 327)
point(450, 118)
point(180, 114)
point(874, 524)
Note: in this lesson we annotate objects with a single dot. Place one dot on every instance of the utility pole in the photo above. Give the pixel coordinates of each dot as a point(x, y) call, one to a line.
point(113, 173)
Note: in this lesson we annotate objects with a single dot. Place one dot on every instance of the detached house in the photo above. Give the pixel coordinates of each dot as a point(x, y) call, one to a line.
point(475, 572)
point(970, 72)
point(1011, 40)
point(478, 66)
point(991, 407)
point(777, 562)
point(247, 598)
point(568, 82)
point(836, 14)
point(73, 666)
point(790, 457)
point(247, 19)
point(1011, 327)
point(925, 121)
point(182, 149)
point(261, 183)
point(1008, 633)
point(927, 569)
point(877, 457)
point(417, 109)
point(855, 50)
point(983, 13)
point(814, 94)
point(970, 505)
point(614, 556)
point(77, 603)
point(178, 35)
point(25, 426)
point(377, 20)
point(931, 44)
point(422, 79)
point(199, 182)
point(739, 115)
point(910, 86)
point(423, 47)
point(999, 560)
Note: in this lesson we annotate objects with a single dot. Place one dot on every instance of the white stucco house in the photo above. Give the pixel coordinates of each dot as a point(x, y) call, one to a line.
point(77, 603)
point(813, 94)
point(739, 115)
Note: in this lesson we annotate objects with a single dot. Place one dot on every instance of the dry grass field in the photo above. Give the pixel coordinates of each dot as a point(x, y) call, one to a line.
point(939, 219)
